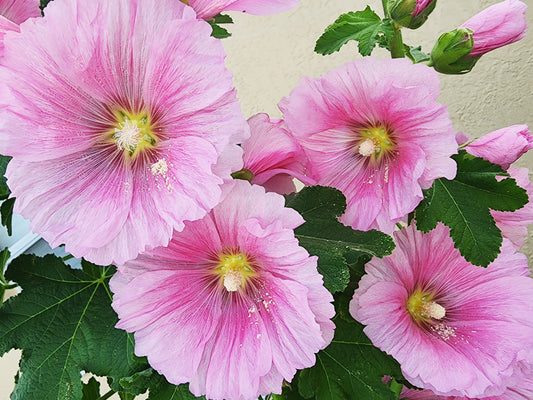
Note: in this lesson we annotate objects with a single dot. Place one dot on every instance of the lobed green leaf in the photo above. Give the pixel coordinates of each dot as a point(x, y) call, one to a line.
point(64, 324)
point(365, 26)
point(324, 236)
point(464, 205)
point(349, 368)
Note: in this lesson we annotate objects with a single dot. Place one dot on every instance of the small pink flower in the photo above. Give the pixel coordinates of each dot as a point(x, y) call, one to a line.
point(233, 305)
point(209, 8)
point(504, 146)
point(119, 116)
point(496, 26)
point(455, 328)
point(374, 130)
point(273, 155)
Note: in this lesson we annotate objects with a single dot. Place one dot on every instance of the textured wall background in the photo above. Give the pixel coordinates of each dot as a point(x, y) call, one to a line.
point(268, 55)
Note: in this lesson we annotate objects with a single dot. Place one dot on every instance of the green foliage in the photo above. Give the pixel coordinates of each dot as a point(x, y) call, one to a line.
point(4, 189)
point(324, 236)
point(160, 389)
point(365, 26)
point(464, 205)
point(6, 214)
point(218, 31)
point(64, 324)
point(6, 206)
point(416, 54)
point(91, 390)
point(350, 368)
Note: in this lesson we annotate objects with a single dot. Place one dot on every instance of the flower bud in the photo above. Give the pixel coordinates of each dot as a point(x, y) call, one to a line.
point(411, 13)
point(504, 146)
point(497, 25)
point(451, 53)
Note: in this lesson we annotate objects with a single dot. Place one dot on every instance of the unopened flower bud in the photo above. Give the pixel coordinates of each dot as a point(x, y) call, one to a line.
point(411, 13)
point(497, 25)
point(451, 53)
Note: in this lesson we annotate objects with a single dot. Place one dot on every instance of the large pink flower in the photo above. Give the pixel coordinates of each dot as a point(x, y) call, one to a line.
point(233, 305)
point(374, 130)
point(496, 26)
point(455, 328)
point(116, 114)
point(273, 155)
point(209, 8)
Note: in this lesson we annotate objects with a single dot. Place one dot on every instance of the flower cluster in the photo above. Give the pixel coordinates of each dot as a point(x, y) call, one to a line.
point(128, 146)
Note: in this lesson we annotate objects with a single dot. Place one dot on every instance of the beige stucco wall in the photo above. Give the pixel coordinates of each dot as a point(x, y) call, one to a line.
point(268, 55)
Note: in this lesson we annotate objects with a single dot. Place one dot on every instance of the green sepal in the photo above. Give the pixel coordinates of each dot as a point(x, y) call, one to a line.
point(450, 55)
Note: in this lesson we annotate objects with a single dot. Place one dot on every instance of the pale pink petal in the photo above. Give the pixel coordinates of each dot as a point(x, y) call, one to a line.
point(209, 8)
point(498, 25)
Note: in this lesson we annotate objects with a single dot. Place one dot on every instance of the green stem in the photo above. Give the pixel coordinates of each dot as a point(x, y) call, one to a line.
point(67, 257)
point(107, 395)
point(396, 44)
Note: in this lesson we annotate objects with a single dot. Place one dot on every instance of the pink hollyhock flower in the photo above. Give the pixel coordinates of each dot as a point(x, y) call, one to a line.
point(117, 115)
point(503, 146)
point(209, 8)
point(513, 224)
point(374, 130)
point(233, 305)
point(496, 26)
point(13, 13)
point(455, 328)
point(273, 155)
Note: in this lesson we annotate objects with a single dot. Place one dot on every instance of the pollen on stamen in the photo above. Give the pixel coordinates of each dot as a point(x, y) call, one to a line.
point(367, 148)
point(128, 136)
point(434, 310)
point(232, 280)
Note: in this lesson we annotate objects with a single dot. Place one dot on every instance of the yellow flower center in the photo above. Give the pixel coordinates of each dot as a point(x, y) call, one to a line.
point(234, 270)
point(422, 307)
point(133, 133)
point(374, 142)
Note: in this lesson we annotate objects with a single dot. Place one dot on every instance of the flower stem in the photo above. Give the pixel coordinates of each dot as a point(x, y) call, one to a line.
point(396, 44)
point(107, 395)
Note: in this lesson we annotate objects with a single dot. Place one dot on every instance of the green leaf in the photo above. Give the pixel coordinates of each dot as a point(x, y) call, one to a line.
point(416, 54)
point(160, 389)
point(324, 236)
point(464, 205)
point(366, 27)
point(64, 324)
point(349, 368)
point(137, 383)
point(91, 390)
point(4, 189)
point(6, 214)
point(218, 31)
